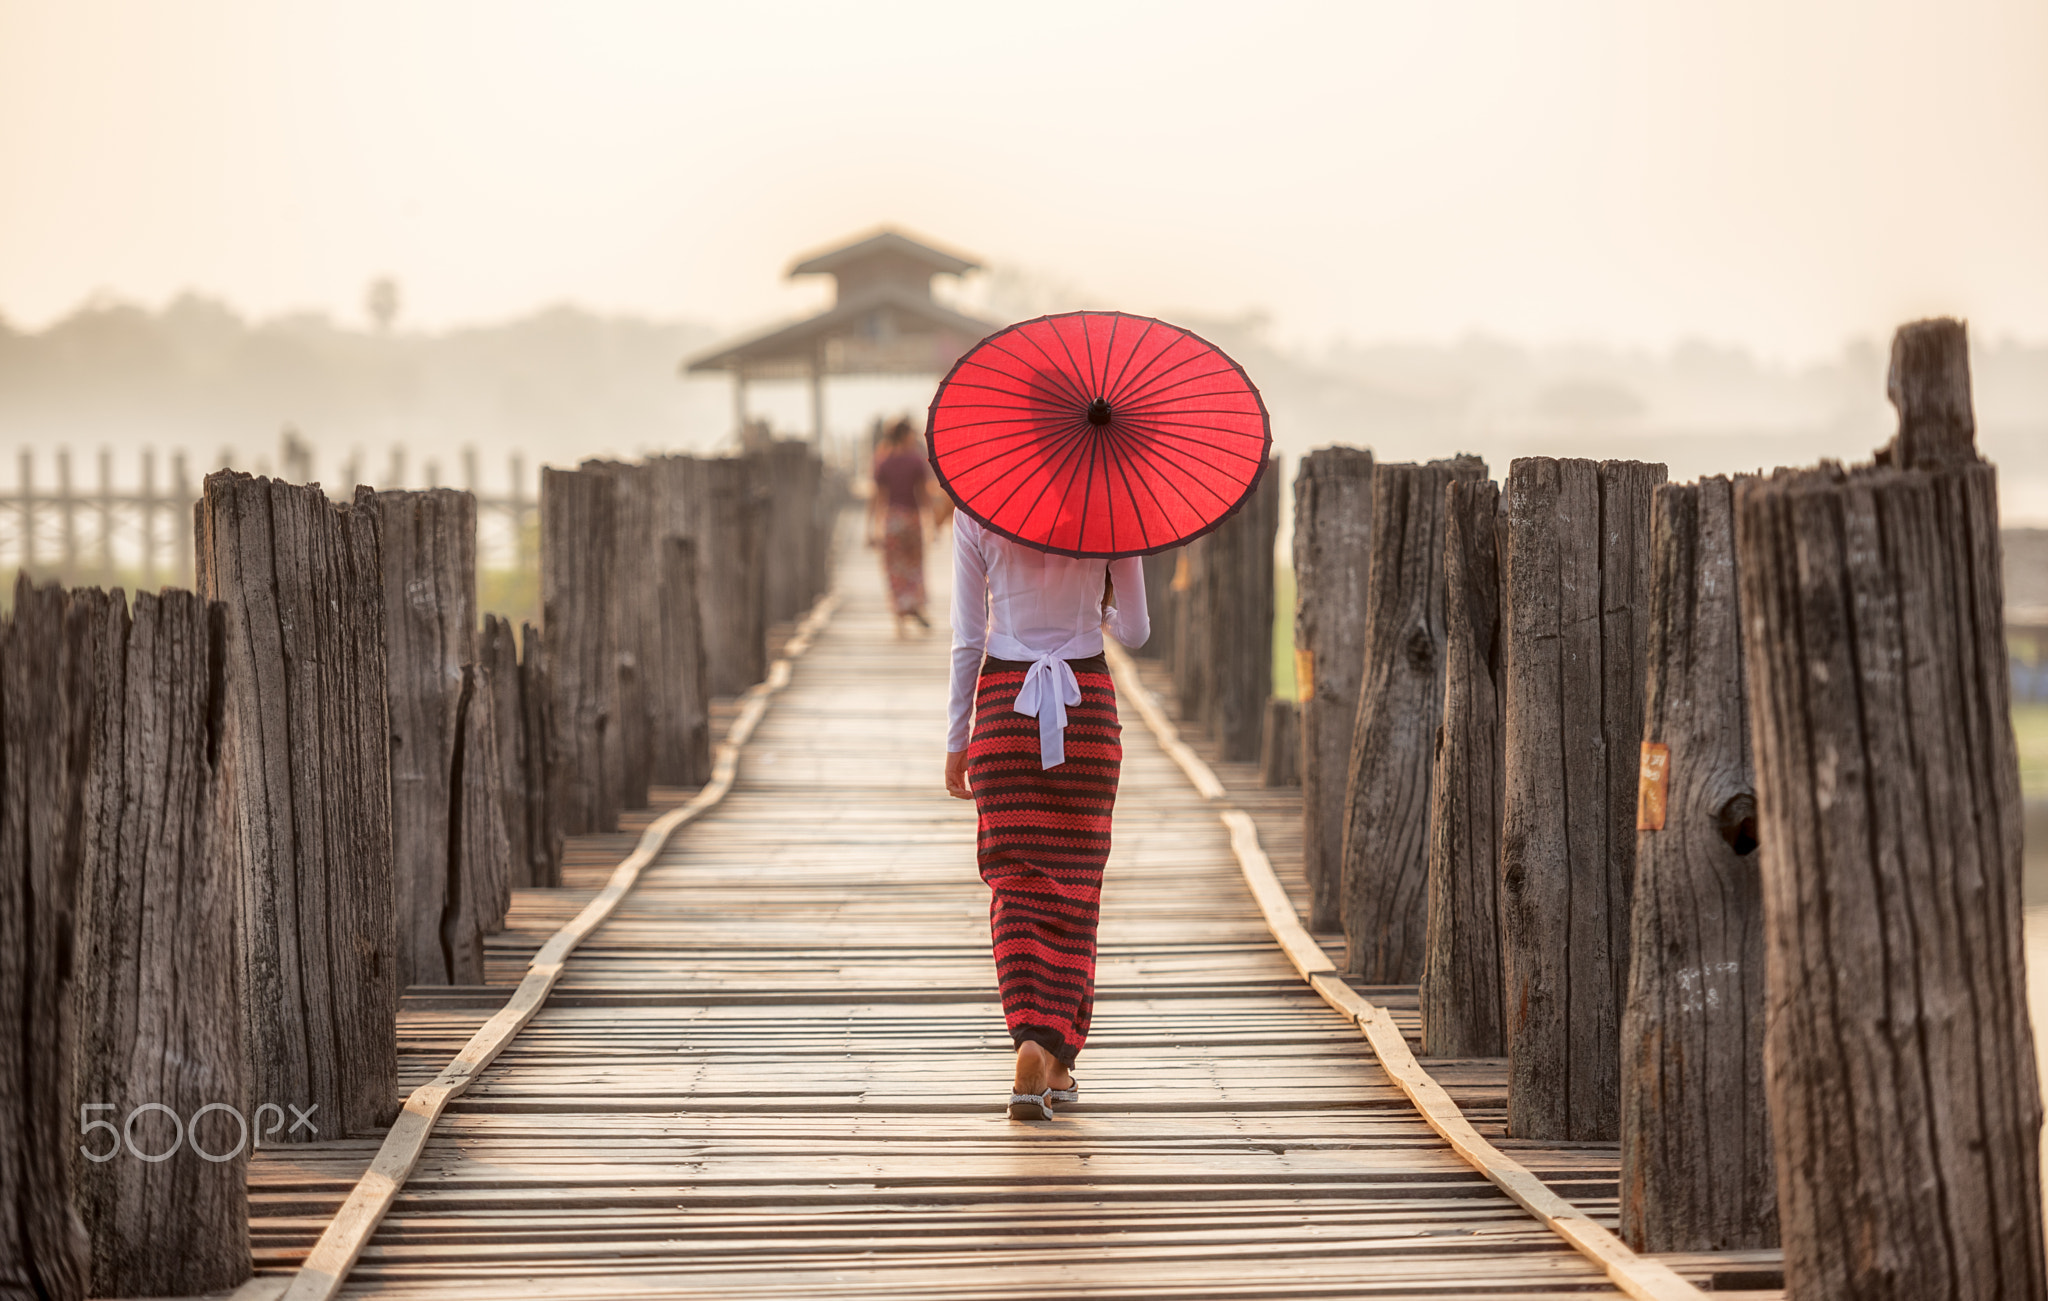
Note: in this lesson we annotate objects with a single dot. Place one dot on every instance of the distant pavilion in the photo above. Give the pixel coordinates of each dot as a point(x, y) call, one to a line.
point(883, 321)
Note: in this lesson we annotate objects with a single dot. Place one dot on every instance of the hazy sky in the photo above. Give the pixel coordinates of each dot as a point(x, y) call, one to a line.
point(1780, 174)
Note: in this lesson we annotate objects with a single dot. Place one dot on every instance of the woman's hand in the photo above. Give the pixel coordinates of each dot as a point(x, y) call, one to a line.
point(956, 775)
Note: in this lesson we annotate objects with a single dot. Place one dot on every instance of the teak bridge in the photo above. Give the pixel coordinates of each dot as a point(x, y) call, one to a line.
point(1629, 904)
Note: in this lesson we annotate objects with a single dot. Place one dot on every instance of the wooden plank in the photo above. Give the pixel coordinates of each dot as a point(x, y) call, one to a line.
point(327, 1267)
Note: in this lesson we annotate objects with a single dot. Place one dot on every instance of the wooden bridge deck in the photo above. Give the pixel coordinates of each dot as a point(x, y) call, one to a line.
point(778, 1070)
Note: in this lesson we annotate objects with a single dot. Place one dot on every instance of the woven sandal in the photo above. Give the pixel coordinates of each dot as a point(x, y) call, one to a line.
point(1031, 1106)
point(1070, 1094)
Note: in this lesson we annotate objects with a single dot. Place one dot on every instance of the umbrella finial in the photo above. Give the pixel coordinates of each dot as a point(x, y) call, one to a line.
point(1098, 411)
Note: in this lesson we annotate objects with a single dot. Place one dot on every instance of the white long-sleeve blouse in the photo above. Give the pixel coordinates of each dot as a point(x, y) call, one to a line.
point(1016, 603)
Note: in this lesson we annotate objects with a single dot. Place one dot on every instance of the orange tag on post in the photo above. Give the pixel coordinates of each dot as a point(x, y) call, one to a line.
point(1304, 674)
point(1650, 784)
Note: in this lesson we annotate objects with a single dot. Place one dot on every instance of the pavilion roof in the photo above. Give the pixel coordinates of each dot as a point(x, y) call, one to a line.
point(882, 329)
point(882, 243)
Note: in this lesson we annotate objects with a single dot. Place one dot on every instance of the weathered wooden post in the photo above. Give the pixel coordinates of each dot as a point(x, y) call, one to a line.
point(1332, 553)
point(787, 471)
point(682, 696)
point(450, 868)
point(1244, 649)
point(537, 758)
point(48, 650)
point(1461, 971)
point(635, 618)
point(1280, 744)
point(1160, 601)
point(1400, 695)
point(1905, 1110)
point(307, 754)
point(579, 540)
point(159, 1019)
point(731, 538)
point(1194, 643)
point(497, 652)
point(1695, 1136)
point(1576, 608)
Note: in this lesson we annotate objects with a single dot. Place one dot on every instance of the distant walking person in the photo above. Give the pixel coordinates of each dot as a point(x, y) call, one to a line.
point(1041, 766)
point(896, 521)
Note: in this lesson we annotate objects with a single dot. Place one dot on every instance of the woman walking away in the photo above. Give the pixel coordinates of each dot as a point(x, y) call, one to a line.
point(896, 520)
point(1041, 766)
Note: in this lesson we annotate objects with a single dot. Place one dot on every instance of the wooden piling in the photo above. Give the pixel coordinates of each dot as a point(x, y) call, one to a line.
point(1695, 1136)
point(1332, 554)
point(497, 651)
point(1461, 967)
point(1904, 1106)
point(1226, 632)
point(448, 869)
point(1400, 695)
point(635, 617)
point(1280, 744)
point(1576, 609)
point(307, 752)
point(731, 534)
point(159, 1018)
point(682, 695)
point(48, 654)
point(579, 564)
point(788, 472)
point(537, 760)
point(1160, 602)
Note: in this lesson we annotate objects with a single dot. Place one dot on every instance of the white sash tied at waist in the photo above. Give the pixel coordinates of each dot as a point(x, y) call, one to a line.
point(1049, 687)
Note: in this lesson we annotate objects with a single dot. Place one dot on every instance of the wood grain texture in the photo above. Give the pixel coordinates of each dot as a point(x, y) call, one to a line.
point(731, 531)
point(48, 689)
point(790, 473)
point(427, 545)
point(1695, 1134)
point(160, 1020)
point(1224, 644)
point(579, 539)
point(1280, 744)
point(1332, 559)
point(537, 759)
point(1461, 968)
point(1162, 602)
point(680, 683)
point(1400, 698)
point(480, 858)
point(1904, 1106)
point(1576, 613)
point(307, 751)
point(638, 517)
point(497, 652)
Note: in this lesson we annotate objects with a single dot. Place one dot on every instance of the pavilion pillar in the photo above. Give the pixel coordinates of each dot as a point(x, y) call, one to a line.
point(818, 398)
point(739, 403)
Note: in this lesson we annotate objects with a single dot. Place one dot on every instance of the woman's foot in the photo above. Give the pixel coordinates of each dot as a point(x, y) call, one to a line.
point(1038, 1070)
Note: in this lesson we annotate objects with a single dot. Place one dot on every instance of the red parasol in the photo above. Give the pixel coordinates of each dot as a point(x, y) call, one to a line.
point(1098, 434)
